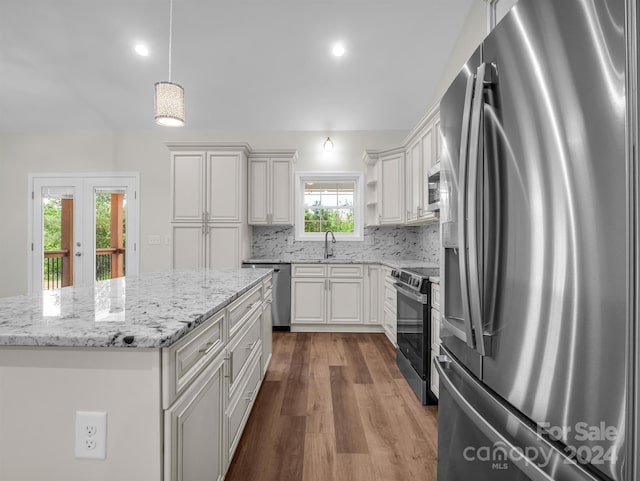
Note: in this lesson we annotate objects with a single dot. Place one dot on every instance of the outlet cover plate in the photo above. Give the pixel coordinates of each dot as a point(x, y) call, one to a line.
point(91, 435)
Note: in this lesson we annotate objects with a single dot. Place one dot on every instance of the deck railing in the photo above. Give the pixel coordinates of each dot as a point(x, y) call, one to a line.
point(56, 264)
point(57, 272)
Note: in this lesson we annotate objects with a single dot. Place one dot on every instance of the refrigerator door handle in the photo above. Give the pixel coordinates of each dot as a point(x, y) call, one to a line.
point(558, 466)
point(475, 152)
point(462, 213)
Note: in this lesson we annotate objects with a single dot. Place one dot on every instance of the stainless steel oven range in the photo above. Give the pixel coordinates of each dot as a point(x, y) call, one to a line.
point(414, 334)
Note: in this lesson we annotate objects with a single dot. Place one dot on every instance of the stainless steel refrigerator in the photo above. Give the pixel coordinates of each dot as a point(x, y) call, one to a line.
point(538, 218)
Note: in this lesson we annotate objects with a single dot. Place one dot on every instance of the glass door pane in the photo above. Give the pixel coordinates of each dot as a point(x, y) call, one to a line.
point(110, 207)
point(57, 235)
point(58, 240)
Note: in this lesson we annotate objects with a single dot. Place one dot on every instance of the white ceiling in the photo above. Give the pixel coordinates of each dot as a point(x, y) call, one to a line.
point(244, 64)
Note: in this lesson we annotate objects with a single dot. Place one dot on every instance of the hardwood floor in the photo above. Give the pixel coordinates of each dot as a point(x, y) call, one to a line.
point(335, 407)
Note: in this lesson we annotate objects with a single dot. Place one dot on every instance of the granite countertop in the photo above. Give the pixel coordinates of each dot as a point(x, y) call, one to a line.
point(393, 263)
point(150, 310)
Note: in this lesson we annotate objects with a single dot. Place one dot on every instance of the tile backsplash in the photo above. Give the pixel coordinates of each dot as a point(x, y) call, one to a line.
point(399, 242)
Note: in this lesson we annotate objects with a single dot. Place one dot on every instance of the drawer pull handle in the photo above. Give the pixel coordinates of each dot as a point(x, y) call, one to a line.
point(251, 306)
point(250, 347)
point(206, 350)
point(250, 396)
point(230, 359)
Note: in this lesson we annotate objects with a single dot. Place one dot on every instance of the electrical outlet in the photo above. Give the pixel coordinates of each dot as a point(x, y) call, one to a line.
point(91, 435)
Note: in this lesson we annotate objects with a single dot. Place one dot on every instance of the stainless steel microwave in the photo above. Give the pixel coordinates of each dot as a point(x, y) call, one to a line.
point(433, 182)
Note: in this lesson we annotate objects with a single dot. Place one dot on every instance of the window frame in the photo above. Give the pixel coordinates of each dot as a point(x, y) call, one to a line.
point(358, 213)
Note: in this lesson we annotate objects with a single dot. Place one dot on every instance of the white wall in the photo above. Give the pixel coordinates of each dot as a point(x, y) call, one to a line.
point(473, 32)
point(146, 153)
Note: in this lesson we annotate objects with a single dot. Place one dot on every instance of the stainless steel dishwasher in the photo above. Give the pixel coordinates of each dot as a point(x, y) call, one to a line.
point(281, 305)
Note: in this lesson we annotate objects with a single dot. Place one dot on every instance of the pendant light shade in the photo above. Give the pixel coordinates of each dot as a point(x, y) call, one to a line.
point(168, 101)
point(328, 145)
point(169, 104)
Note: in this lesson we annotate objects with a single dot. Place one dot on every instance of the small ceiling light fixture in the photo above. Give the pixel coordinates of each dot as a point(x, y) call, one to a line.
point(328, 145)
point(338, 50)
point(169, 96)
point(142, 50)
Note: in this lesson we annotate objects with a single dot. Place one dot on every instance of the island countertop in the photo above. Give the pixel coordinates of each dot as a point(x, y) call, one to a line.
point(151, 310)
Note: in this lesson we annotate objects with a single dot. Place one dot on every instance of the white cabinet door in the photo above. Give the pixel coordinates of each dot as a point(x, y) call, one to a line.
point(427, 163)
point(188, 246)
point(224, 187)
point(194, 429)
point(281, 192)
point(223, 246)
point(271, 190)
point(308, 301)
point(414, 180)
point(392, 195)
point(187, 196)
point(372, 302)
point(258, 191)
point(390, 324)
point(345, 301)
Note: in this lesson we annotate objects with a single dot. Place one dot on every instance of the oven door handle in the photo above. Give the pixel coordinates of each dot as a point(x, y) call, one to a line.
point(421, 298)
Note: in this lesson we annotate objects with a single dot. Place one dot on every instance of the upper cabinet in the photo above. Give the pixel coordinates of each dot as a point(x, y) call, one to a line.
point(271, 187)
point(385, 196)
point(398, 178)
point(209, 205)
point(422, 154)
point(207, 186)
point(391, 188)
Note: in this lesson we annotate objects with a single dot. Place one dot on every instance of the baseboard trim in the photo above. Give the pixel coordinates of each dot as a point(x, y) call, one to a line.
point(335, 328)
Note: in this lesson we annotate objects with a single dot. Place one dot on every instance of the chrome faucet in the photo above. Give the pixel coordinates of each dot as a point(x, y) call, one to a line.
point(328, 253)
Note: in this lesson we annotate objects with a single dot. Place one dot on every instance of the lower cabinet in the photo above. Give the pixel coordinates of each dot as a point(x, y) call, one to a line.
point(211, 379)
point(217, 246)
point(372, 298)
point(390, 308)
point(327, 295)
point(193, 429)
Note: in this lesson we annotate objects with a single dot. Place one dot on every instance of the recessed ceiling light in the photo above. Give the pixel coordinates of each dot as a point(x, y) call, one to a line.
point(338, 50)
point(142, 50)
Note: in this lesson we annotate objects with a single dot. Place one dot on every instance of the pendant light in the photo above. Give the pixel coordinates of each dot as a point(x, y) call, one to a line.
point(328, 145)
point(169, 96)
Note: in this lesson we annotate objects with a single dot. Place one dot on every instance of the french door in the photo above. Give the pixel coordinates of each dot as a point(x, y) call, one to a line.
point(83, 228)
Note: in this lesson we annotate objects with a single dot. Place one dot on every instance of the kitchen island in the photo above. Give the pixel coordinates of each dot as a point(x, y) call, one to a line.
point(174, 359)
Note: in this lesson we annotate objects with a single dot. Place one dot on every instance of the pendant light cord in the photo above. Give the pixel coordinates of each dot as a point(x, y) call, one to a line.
point(170, 32)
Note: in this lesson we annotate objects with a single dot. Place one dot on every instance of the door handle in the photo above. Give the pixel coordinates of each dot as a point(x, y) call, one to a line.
point(475, 151)
point(78, 254)
point(462, 212)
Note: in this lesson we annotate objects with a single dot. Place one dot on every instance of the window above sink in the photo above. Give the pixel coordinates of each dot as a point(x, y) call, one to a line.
point(329, 201)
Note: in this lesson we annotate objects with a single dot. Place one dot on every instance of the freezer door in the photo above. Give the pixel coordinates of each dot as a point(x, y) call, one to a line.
point(555, 163)
point(481, 438)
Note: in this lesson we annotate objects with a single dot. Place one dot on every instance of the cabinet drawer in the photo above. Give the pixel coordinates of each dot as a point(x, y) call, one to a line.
point(239, 407)
point(240, 351)
point(267, 287)
point(435, 329)
point(242, 308)
point(347, 270)
point(435, 296)
point(188, 357)
point(390, 296)
point(308, 270)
